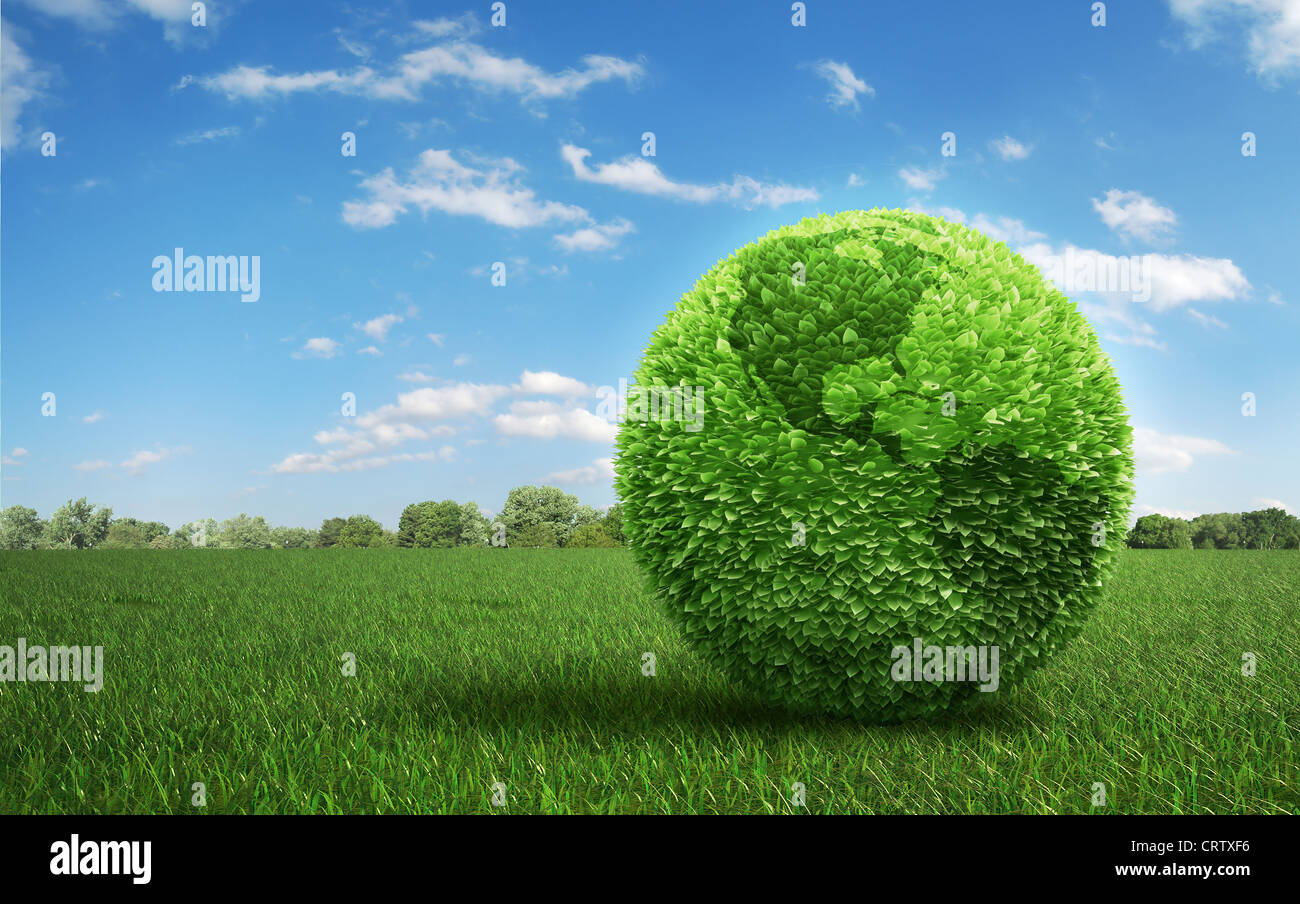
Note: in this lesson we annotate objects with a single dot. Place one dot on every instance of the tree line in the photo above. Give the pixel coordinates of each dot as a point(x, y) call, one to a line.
point(532, 516)
point(1271, 528)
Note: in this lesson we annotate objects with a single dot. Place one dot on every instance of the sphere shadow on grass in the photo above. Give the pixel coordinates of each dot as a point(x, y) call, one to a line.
point(633, 705)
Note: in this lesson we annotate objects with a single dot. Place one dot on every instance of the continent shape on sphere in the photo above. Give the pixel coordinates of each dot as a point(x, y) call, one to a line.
point(910, 441)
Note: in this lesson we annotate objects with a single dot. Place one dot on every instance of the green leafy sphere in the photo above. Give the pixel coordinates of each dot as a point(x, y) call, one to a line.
point(906, 434)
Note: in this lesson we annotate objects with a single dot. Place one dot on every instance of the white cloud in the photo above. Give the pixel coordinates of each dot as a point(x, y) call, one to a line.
point(320, 347)
point(136, 462)
point(101, 15)
point(1207, 320)
point(1265, 503)
point(437, 338)
point(415, 416)
point(637, 174)
point(855, 180)
point(458, 60)
point(1156, 452)
point(921, 180)
point(1009, 149)
point(1121, 325)
point(90, 14)
point(431, 404)
point(439, 182)
point(12, 457)
point(1134, 215)
point(444, 27)
point(207, 135)
point(1175, 279)
point(309, 463)
point(415, 376)
point(371, 350)
point(18, 452)
point(460, 360)
point(548, 382)
point(92, 418)
point(378, 328)
point(601, 470)
point(600, 237)
point(21, 83)
point(845, 86)
point(95, 465)
point(1184, 514)
point(1271, 27)
point(548, 420)
point(1002, 229)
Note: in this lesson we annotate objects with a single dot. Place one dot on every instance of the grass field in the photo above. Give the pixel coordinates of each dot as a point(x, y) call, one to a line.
point(524, 667)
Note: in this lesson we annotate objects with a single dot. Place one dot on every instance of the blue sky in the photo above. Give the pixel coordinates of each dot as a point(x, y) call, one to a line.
point(522, 144)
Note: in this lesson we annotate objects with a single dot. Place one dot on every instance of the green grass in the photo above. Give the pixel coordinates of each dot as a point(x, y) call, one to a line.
point(524, 667)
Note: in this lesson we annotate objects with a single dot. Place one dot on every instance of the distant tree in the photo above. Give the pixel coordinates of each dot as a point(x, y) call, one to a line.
point(591, 536)
point(546, 534)
point(244, 532)
point(79, 525)
point(149, 529)
point(292, 538)
point(439, 527)
point(20, 528)
point(410, 521)
point(330, 529)
point(474, 527)
point(613, 522)
point(203, 533)
point(168, 541)
point(1160, 532)
point(125, 533)
point(585, 515)
point(529, 506)
point(361, 531)
point(1218, 531)
point(1270, 528)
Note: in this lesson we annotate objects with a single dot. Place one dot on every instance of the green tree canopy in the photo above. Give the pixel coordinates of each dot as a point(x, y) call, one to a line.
point(529, 506)
point(79, 525)
point(21, 528)
point(361, 531)
point(1160, 532)
point(591, 536)
point(330, 529)
point(244, 532)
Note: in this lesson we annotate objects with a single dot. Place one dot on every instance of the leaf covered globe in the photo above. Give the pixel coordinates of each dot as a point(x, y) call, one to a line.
point(873, 432)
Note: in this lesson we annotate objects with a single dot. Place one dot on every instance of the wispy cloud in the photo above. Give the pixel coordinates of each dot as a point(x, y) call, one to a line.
point(548, 382)
point(919, 179)
point(1156, 452)
point(137, 461)
point(1271, 29)
point(1133, 215)
point(601, 470)
point(639, 175)
point(439, 182)
point(320, 347)
point(600, 237)
point(377, 328)
point(845, 86)
point(458, 60)
point(207, 135)
point(550, 420)
point(1009, 148)
point(21, 83)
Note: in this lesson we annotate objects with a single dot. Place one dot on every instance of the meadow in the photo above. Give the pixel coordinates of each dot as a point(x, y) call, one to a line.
point(524, 667)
